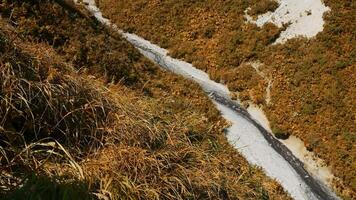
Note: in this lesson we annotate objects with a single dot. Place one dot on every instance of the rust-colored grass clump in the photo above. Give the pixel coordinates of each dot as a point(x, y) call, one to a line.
point(83, 114)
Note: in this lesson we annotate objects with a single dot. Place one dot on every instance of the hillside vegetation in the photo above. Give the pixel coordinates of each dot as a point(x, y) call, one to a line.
point(314, 80)
point(84, 115)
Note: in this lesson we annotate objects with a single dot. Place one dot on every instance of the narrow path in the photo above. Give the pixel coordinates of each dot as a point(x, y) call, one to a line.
point(253, 141)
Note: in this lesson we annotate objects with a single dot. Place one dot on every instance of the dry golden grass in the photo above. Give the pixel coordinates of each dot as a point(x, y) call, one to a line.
point(313, 91)
point(81, 103)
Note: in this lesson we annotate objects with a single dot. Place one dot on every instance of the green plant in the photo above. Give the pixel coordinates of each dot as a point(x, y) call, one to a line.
point(279, 133)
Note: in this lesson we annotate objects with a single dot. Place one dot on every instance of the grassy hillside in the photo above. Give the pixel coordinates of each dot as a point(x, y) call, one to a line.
point(83, 113)
point(314, 81)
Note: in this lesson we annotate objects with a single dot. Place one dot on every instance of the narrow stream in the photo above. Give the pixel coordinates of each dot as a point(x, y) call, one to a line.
point(246, 134)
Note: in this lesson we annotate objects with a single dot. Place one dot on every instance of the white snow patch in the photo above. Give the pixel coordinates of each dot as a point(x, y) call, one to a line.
point(305, 18)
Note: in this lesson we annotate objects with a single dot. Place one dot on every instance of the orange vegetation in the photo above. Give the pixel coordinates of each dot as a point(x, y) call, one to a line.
point(314, 81)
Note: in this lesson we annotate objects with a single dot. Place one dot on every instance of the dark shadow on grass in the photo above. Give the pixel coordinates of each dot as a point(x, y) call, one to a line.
point(47, 188)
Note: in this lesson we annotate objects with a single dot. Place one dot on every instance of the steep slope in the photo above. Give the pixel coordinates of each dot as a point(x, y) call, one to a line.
point(79, 103)
point(313, 81)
